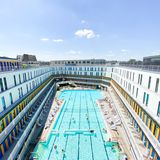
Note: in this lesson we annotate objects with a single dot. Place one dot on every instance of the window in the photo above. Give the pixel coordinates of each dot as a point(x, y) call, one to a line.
point(19, 91)
point(11, 98)
point(149, 82)
point(147, 99)
point(5, 83)
point(158, 111)
point(144, 97)
point(3, 103)
point(157, 85)
point(137, 93)
point(30, 86)
point(133, 77)
point(19, 79)
point(14, 77)
point(138, 78)
point(141, 79)
point(28, 76)
point(133, 91)
point(27, 87)
point(1, 85)
point(24, 77)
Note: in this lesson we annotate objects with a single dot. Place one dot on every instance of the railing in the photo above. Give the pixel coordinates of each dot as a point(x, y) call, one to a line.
point(152, 139)
point(81, 76)
point(10, 127)
point(136, 152)
point(155, 68)
point(22, 139)
point(9, 68)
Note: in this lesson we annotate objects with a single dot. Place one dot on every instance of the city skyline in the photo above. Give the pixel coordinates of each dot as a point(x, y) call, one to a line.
point(118, 30)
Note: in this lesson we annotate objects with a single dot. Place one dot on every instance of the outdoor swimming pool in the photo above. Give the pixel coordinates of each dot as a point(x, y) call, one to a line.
point(78, 131)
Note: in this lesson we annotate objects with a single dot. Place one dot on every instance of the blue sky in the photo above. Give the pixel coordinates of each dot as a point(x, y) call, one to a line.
point(80, 29)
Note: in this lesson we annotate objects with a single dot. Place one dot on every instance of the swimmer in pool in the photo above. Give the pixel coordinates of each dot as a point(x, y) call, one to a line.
point(63, 151)
point(92, 131)
point(55, 147)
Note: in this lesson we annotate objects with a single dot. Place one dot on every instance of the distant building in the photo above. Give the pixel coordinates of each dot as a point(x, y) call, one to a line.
point(7, 64)
point(19, 58)
point(151, 60)
point(131, 62)
point(79, 62)
point(28, 60)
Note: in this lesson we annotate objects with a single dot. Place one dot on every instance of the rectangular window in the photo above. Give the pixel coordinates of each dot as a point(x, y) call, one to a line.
point(144, 97)
point(133, 77)
point(11, 98)
point(19, 79)
point(137, 93)
point(27, 87)
point(30, 86)
point(91, 73)
point(138, 78)
point(157, 85)
point(21, 92)
point(28, 76)
point(141, 79)
point(158, 111)
point(5, 83)
point(3, 103)
point(14, 77)
point(1, 85)
point(149, 82)
point(133, 91)
point(147, 99)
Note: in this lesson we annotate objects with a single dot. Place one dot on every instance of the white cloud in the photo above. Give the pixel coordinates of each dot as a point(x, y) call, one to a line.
point(44, 39)
point(58, 40)
point(73, 52)
point(156, 52)
point(110, 54)
point(124, 50)
point(83, 21)
point(87, 33)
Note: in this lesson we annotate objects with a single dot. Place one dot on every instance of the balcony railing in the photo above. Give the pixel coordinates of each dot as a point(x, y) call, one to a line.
point(154, 68)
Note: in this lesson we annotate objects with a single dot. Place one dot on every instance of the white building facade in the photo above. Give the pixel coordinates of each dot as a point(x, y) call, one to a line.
point(140, 89)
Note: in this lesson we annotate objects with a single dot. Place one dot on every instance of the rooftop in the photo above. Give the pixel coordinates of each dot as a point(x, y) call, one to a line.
point(8, 58)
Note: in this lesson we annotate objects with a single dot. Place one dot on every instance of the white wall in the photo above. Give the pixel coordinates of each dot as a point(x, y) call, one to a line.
point(42, 73)
point(154, 98)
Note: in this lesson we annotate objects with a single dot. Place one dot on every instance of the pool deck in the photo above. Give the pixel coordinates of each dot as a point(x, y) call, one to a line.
point(52, 116)
point(116, 131)
point(109, 107)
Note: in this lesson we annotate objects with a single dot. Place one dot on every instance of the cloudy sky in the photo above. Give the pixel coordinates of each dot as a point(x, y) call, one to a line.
point(80, 29)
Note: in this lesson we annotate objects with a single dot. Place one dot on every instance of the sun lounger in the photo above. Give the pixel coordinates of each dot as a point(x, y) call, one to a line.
point(113, 128)
point(109, 120)
point(117, 123)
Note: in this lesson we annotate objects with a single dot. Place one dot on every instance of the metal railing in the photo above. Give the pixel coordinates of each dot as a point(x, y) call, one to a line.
point(22, 139)
point(10, 127)
point(152, 139)
point(154, 68)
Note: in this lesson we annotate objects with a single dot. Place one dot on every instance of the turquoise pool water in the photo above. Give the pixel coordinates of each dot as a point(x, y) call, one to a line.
point(78, 132)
